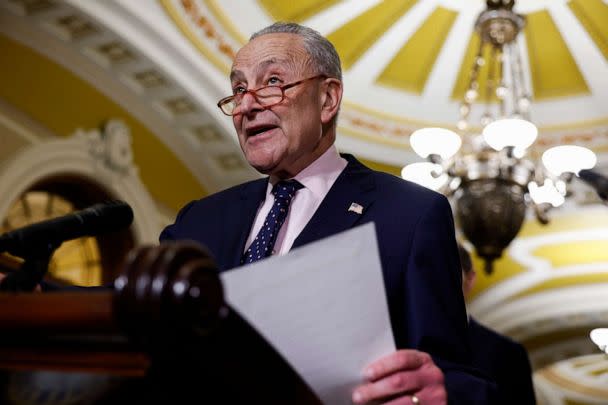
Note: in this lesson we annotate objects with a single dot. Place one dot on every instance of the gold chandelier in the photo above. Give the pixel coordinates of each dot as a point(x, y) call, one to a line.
point(493, 174)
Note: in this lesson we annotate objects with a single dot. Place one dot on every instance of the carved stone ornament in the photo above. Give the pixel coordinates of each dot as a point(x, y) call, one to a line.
point(111, 146)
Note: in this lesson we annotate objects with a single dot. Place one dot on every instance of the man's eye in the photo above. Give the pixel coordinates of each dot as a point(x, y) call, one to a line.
point(239, 90)
point(274, 81)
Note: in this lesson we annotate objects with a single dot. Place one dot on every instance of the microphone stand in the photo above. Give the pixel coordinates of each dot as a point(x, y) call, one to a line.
point(35, 266)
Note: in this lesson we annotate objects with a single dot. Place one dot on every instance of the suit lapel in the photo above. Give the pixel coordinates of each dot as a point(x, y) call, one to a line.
point(354, 185)
point(239, 219)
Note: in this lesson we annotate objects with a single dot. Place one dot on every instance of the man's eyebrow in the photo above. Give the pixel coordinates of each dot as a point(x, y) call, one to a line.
point(265, 63)
point(239, 75)
point(236, 74)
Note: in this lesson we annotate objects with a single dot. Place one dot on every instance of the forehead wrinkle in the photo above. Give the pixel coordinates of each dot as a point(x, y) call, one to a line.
point(287, 52)
point(262, 68)
point(259, 69)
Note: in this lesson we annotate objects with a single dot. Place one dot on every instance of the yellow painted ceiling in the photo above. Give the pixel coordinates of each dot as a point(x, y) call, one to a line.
point(593, 15)
point(62, 102)
point(411, 66)
point(295, 11)
point(357, 35)
point(553, 69)
point(572, 253)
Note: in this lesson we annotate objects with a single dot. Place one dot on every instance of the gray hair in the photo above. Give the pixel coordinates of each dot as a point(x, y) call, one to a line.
point(322, 52)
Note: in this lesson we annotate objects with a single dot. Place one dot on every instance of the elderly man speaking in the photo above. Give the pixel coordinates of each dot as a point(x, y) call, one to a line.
point(286, 94)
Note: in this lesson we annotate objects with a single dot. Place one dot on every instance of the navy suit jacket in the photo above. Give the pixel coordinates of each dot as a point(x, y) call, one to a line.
point(505, 361)
point(417, 246)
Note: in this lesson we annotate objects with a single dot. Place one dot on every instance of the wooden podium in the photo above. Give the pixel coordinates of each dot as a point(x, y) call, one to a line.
point(162, 334)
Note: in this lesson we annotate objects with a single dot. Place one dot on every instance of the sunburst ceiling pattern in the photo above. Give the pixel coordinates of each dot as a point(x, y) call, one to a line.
point(407, 62)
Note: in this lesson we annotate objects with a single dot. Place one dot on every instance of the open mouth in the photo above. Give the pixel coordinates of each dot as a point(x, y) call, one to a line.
point(254, 131)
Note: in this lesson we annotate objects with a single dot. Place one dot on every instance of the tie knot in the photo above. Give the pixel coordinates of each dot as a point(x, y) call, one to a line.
point(286, 189)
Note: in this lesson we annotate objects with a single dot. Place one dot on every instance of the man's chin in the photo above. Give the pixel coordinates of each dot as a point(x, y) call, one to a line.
point(274, 171)
point(267, 165)
point(266, 168)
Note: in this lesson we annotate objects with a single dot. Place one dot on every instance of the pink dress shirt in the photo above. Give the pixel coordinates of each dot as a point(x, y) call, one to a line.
point(317, 179)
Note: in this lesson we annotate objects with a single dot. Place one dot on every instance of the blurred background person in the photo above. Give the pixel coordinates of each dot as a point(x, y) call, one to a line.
point(500, 357)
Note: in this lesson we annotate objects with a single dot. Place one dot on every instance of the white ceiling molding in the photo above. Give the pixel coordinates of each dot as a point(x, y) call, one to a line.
point(144, 72)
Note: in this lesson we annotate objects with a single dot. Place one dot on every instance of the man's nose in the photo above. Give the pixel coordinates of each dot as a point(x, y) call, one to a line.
point(249, 104)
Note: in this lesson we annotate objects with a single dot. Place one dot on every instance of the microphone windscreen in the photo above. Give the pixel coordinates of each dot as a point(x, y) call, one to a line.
point(106, 217)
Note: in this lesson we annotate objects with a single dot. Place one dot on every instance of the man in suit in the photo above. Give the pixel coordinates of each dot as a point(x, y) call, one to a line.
point(287, 90)
point(503, 359)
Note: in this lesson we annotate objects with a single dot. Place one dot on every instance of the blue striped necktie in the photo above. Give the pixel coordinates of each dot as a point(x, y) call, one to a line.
point(263, 243)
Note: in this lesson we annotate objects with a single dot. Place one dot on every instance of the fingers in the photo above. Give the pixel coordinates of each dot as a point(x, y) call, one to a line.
point(399, 376)
point(396, 383)
point(433, 393)
point(397, 361)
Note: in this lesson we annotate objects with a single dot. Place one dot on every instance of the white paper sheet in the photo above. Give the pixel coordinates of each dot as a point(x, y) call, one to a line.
point(322, 306)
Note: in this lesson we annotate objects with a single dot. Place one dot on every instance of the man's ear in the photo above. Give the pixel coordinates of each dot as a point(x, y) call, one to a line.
point(468, 282)
point(330, 99)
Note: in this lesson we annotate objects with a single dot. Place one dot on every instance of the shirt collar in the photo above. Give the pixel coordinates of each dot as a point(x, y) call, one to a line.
point(320, 175)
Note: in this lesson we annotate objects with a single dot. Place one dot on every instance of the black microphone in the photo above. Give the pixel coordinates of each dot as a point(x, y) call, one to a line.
point(597, 181)
point(45, 236)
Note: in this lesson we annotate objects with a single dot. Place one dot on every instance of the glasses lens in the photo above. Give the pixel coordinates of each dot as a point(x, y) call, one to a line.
point(228, 106)
point(269, 95)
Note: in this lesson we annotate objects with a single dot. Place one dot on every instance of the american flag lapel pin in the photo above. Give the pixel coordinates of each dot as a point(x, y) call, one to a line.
point(354, 207)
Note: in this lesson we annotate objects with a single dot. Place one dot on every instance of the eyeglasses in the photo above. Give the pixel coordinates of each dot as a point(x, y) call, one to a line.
point(266, 96)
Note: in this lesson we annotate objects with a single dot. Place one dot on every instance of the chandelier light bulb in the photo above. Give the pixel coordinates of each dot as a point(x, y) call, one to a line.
point(470, 95)
point(547, 193)
point(519, 153)
point(435, 141)
point(427, 174)
point(501, 91)
point(560, 185)
point(599, 336)
point(568, 159)
point(515, 132)
point(465, 109)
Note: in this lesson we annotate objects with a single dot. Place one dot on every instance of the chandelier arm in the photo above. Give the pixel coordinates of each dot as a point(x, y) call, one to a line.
point(524, 94)
point(515, 79)
point(541, 212)
point(503, 85)
point(491, 78)
point(566, 177)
